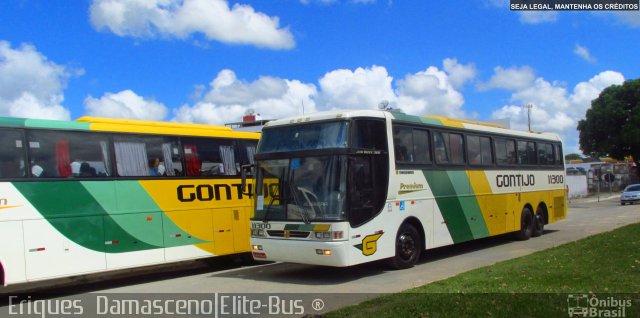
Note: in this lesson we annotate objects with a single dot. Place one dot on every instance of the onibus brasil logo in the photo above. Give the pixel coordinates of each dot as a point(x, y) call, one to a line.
point(583, 305)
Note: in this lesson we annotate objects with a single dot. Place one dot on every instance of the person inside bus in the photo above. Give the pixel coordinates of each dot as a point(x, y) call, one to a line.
point(85, 170)
point(154, 163)
point(37, 171)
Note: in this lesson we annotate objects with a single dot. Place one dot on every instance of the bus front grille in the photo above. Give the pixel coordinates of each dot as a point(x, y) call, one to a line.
point(295, 234)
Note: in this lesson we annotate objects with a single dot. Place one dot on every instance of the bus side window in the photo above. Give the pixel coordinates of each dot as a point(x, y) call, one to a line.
point(12, 161)
point(210, 156)
point(144, 156)
point(66, 154)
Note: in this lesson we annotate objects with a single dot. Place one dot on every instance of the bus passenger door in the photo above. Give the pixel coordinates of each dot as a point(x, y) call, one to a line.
point(240, 229)
point(12, 252)
point(223, 231)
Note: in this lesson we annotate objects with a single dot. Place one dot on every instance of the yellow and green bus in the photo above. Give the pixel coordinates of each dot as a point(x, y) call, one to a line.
point(347, 187)
point(98, 194)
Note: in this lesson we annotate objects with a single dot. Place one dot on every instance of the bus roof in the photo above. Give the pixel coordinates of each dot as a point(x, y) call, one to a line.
point(427, 120)
point(129, 126)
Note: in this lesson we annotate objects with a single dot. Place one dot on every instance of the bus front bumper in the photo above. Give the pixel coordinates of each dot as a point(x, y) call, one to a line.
point(303, 252)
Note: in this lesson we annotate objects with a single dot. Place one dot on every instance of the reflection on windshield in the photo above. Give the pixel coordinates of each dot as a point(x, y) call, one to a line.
point(304, 137)
point(302, 189)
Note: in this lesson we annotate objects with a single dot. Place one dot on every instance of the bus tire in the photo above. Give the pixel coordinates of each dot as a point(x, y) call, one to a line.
point(538, 222)
point(408, 247)
point(526, 225)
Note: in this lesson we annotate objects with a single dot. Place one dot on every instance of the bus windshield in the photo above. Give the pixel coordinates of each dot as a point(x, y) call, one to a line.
point(304, 137)
point(302, 189)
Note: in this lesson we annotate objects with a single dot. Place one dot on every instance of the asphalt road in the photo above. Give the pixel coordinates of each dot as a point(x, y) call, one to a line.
point(360, 282)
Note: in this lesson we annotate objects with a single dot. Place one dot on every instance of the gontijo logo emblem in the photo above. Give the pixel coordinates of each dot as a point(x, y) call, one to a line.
point(369, 244)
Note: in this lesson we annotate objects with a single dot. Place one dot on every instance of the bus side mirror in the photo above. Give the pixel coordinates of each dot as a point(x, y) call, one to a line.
point(244, 170)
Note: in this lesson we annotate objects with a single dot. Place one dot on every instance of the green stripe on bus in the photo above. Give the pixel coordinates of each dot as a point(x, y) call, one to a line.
point(417, 119)
point(56, 124)
point(449, 204)
point(133, 198)
point(469, 203)
point(72, 210)
point(12, 122)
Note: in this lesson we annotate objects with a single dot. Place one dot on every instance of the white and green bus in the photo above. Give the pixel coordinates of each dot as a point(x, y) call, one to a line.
point(99, 194)
point(348, 187)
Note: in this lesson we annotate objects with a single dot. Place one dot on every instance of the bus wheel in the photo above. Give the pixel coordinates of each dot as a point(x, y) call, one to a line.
point(408, 247)
point(526, 225)
point(538, 223)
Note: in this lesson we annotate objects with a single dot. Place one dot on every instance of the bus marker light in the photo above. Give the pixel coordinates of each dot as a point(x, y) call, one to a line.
point(356, 236)
point(379, 232)
point(259, 255)
point(149, 218)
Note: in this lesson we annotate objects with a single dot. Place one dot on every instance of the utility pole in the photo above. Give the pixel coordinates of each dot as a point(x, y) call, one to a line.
point(528, 107)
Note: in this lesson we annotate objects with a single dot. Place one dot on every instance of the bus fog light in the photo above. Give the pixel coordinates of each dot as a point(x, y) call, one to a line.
point(323, 252)
point(257, 247)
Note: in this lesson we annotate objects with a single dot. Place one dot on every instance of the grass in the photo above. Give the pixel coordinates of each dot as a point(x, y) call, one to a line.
point(537, 285)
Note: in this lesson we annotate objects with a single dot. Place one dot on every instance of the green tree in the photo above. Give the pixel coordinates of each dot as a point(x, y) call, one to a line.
point(573, 156)
point(612, 124)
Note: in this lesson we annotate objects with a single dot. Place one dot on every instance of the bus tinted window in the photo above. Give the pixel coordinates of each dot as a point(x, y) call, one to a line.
point(545, 154)
point(527, 152)
point(208, 157)
point(421, 146)
point(558, 155)
point(505, 151)
point(403, 143)
point(479, 150)
point(369, 134)
point(448, 148)
point(144, 156)
point(12, 163)
point(57, 154)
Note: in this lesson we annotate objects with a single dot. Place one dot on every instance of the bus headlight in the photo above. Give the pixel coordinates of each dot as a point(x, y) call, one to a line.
point(257, 232)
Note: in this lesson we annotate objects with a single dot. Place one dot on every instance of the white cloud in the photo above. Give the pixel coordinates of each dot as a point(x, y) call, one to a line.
point(429, 92)
point(239, 24)
point(125, 104)
point(538, 17)
point(31, 85)
point(583, 53)
point(363, 88)
point(228, 98)
point(459, 74)
point(554, 108)
point(510, 78)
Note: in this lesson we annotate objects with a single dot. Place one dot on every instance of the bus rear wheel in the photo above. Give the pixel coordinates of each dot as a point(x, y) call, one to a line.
point(526, 225)
point(538, 227)
point(408, 247)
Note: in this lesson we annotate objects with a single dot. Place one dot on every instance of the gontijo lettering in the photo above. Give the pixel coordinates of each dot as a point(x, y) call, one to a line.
point(515, 180)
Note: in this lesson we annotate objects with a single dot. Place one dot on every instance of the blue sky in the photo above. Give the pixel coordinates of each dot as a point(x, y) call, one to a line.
point(208, 61)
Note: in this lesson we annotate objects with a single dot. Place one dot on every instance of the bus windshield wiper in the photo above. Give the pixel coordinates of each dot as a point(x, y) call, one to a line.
point(303, 212)
point(275, 195)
